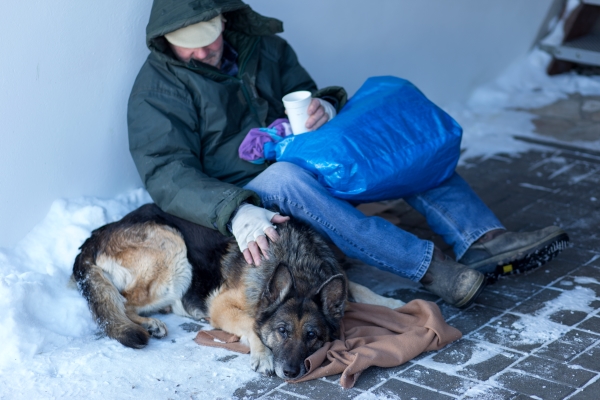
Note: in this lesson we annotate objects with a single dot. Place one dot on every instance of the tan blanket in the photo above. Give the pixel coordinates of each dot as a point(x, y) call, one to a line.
point(369, 335)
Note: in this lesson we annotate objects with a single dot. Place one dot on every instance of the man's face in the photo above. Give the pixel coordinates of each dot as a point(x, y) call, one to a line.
point(210, 54)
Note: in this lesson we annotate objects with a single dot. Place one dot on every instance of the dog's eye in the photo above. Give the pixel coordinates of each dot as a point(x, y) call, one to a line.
point(311, 335)
point(281, 330)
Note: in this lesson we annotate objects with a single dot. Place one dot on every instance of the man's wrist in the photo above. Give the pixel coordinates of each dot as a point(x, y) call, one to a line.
point(331, 100)
point(229, 224)
point(328, 107)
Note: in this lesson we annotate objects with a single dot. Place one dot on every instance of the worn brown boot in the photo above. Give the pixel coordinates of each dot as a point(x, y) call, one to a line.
point(507, 253)
point(455, 283)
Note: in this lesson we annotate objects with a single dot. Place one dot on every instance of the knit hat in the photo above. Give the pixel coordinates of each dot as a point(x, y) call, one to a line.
point(197, 35)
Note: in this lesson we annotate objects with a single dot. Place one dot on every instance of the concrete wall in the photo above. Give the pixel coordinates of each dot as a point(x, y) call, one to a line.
point(67, 67)
point(446, 48)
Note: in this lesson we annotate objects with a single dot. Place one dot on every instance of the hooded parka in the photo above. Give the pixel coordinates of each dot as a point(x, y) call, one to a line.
point(187, 120)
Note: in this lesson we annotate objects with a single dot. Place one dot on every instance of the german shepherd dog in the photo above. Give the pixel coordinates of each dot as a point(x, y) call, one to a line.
point(151, 261)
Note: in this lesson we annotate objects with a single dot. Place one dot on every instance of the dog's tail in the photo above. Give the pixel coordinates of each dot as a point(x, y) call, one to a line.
point(105, 301)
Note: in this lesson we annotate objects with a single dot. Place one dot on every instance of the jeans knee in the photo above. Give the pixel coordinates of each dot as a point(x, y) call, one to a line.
point(283, 177)
point(287, 170)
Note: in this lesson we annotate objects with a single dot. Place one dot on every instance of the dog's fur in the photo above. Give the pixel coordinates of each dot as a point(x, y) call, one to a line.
point(152, 261)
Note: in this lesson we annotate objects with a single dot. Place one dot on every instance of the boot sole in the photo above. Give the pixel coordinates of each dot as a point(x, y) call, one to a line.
point(511, 263)
point(473, 293)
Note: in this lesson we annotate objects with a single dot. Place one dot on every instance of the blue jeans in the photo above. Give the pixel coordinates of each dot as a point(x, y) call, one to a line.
point(452, 210)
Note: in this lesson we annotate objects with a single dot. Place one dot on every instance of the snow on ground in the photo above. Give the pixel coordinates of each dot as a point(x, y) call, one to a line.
point(50, 344)
point(495, 112)
point(538, 328)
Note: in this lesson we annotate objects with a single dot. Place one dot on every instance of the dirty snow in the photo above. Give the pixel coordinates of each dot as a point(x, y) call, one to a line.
point(577, 299)
point(371, 396)
point(51, 347)
point(483, 392)
point(482, 352)
point(529, 329)
point(583, 280)
point(537, 328)
point(497, 111)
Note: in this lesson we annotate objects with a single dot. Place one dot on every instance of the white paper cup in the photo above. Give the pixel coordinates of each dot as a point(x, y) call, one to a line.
point(296, 104)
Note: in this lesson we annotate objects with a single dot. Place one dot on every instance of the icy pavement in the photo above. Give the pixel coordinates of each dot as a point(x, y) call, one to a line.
point(536, 334)
point(532, 152)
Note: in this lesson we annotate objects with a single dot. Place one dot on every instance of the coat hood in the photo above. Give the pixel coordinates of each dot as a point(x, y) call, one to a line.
point(169, 15)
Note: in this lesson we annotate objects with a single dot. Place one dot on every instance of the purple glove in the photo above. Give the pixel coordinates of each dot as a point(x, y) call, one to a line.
point(252, 147)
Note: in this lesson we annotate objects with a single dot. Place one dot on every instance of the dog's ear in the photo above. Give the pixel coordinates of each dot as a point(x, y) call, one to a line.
point(280, 284)
point(332, 296)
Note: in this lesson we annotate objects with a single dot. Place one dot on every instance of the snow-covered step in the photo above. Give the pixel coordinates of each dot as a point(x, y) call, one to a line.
point(582, 44)
point(584, 50)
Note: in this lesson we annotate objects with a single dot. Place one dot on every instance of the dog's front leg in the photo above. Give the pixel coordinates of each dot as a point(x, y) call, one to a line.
point(227, 312)
point(261, 356)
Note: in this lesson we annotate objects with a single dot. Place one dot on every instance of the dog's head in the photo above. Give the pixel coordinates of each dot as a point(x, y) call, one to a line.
point(303, 292)
point(294, 325)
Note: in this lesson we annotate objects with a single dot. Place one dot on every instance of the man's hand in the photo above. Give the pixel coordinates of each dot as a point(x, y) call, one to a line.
point(249, 226)
point(316, 115)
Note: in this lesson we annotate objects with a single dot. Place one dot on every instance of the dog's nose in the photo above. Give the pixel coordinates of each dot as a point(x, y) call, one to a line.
point(291, 372)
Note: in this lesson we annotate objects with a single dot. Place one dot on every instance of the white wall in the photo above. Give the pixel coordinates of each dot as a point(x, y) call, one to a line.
point(66, 69)
point(445, 47)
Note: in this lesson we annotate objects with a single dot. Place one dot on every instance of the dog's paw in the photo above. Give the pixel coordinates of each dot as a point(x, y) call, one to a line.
point(156, 328)
point(166, 310)
point(197, 314)
point(262, 361)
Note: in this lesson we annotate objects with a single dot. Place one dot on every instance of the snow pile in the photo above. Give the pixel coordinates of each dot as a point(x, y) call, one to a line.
point(37, 307)
point(51, 347)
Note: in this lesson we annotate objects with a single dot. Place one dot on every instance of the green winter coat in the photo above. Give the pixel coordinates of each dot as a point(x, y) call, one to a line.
point(186, 121)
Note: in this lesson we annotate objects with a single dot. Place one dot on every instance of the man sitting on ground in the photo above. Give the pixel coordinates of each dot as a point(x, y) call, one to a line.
point(216, 70)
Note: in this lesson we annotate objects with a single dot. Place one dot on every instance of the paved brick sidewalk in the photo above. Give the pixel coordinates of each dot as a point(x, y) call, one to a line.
point(527, 336)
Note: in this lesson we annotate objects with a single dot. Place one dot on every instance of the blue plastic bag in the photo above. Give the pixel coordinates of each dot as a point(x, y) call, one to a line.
point(389, 141)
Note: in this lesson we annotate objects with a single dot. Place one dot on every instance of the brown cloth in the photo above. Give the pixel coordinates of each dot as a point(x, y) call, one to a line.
point(219, 338)
point(373, 335)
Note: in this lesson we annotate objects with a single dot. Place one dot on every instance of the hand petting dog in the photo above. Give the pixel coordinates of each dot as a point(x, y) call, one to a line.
point(249, 226)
